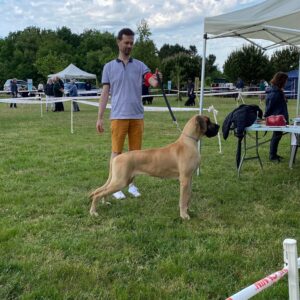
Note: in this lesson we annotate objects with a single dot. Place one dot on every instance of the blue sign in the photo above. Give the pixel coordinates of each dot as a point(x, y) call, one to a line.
point(169, 85)
point(29, 85)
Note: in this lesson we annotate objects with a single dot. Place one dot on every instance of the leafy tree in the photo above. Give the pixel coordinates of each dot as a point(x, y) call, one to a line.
point(143, 30)
point(35, 53)
point(211, 70)
point(189, 66)
point(144, 48)
point(170, 50)
point(50, 64)
point(95, 60)
point(285, 60)
point(249, 63)
point(66, 35)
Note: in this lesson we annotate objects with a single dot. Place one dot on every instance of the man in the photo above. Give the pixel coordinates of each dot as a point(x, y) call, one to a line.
point(190, 93)
point(58, 91)
point(73, 92)
point(14, 92)
point(123, 78)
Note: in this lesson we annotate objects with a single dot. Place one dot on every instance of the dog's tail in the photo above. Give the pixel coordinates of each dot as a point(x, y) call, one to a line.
point(100, 189)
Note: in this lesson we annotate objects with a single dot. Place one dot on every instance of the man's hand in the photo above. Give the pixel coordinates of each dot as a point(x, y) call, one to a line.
point(154, 79)
point(158, 74)
point(100, 126)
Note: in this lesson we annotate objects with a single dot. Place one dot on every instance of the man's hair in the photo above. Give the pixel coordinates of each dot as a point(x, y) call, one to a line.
point(279, 79)
point(125, 31)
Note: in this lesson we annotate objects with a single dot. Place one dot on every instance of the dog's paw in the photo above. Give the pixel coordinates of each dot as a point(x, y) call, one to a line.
point(184, 216)
point(104, 202)
point(93, 213)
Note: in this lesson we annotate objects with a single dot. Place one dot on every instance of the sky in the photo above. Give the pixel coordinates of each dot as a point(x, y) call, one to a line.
point(171, 22)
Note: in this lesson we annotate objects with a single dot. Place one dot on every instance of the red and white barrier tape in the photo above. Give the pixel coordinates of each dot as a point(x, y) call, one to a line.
point(260, 285)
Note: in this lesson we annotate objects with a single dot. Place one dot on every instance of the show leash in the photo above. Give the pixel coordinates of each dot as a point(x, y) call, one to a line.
point(167, 102)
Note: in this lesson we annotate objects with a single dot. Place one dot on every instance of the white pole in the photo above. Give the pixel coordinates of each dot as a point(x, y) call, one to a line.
point(202, 86)
point(72, 131)
point(298, 94)
point(291, 259)
point(202, 74)
point(41, 106)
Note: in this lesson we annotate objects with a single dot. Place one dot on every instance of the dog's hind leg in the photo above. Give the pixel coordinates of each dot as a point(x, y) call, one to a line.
point(185, 195)
point(103, 192)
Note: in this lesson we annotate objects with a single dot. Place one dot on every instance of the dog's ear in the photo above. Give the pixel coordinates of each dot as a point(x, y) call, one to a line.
point(202, 122)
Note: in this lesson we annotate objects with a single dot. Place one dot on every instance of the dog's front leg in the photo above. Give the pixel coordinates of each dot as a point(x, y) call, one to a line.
point(185, 195)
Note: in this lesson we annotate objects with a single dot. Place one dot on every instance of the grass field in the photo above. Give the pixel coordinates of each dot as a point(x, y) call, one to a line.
point(51, 248)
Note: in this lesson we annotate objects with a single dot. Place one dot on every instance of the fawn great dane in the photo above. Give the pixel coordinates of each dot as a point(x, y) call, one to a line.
point(177, 160)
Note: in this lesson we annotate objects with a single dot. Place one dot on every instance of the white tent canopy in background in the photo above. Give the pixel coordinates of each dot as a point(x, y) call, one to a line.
point(277, 21)
point(71, 71)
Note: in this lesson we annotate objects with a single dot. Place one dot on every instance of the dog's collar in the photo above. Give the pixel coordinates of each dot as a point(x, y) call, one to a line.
point(191, 137)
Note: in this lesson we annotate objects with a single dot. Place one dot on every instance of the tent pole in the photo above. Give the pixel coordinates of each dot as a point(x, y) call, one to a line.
point(298, 92)
point(202, 78)
point(202, 81)
point(72, 130)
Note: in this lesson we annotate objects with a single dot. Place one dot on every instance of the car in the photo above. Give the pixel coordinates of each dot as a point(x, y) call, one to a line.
point(22, 86)
point(81, 89)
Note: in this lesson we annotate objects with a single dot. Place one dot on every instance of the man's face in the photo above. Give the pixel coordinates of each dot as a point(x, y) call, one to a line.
point(126, 44)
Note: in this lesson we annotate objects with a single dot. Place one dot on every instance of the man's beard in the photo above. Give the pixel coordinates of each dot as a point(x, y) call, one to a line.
point(127, 51)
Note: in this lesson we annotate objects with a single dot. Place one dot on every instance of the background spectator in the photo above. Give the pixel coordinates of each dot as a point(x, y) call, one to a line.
point(74, 93)
point(145, 92)
point(49, 93)
point(190, 93)
point(276, 104)
point(14, 92)
point(88, 86)
point(58, 91)
point(240, 84)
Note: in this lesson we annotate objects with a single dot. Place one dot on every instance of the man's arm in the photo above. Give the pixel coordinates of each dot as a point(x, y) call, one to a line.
point(102, 107)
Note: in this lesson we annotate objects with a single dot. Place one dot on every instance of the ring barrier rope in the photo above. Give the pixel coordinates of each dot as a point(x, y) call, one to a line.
point(292, 264)
point(84, 100)
point(259, 286)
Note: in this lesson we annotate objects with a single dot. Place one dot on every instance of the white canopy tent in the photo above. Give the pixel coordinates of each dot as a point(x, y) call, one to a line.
point(71, 71)
point(277, 21)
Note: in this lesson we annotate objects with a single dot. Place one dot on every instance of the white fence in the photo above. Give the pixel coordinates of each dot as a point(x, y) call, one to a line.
point(84, 100)
point(291, 265)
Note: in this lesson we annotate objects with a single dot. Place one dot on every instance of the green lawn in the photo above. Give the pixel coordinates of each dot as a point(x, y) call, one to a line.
point(51, 248)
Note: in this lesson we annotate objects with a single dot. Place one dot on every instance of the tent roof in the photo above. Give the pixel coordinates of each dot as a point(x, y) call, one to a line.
point(293, 74)
point(71, 71)
point(273, 20)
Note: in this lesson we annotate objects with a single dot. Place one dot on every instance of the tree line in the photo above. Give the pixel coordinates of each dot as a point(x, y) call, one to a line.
point(35, 53)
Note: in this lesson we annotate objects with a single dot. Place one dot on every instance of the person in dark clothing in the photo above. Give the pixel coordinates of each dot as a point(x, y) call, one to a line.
point(145, 92)
point(240, 84)
point(58, 91)
point(88, 86)
point(14, 92)
point(190, 93)
point(276, 104)
point(74, 93)
point(49, 93)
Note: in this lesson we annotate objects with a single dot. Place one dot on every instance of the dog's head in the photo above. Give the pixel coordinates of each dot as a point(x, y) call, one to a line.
point(206, 126)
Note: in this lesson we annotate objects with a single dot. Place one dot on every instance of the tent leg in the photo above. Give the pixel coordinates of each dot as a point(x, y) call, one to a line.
point(298, 92)
point(72, 131)
point(41, 106)
point(202, 80)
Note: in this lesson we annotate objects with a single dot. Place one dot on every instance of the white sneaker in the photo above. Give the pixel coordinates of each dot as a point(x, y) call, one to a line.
point(133, 190)
point(119, 195)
